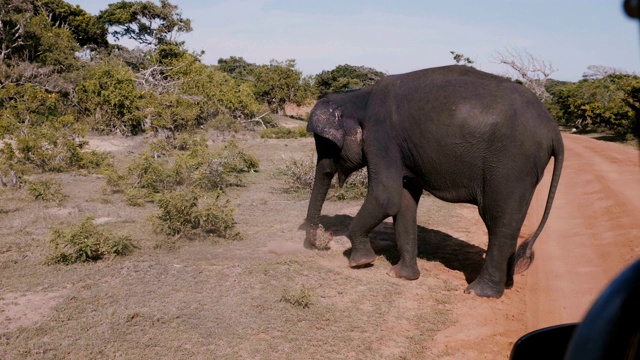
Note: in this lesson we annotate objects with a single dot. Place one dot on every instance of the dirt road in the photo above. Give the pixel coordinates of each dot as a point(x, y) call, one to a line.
point(593, 233)
point(227, 300)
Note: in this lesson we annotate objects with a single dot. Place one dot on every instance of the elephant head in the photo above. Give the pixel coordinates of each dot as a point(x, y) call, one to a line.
point(336, 124)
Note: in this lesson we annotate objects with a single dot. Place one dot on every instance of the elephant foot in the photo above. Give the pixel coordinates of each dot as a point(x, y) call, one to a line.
point(404, 272)
point(318, 239)
point(361, 257)
point(482, 289)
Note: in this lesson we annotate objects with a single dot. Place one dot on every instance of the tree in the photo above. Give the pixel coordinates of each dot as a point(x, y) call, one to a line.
point(609, 102)
point(345, 77)
point(53, 20)
point(145, 22)
point(279, 83)
point(532, 71)
point(237, 67)
point(14, 17)
point(86, 28)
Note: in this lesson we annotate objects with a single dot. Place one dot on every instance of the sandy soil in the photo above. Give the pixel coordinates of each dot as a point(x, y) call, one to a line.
point(223, 300)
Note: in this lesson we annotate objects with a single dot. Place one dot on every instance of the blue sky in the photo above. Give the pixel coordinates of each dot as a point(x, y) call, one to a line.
point(404, 35)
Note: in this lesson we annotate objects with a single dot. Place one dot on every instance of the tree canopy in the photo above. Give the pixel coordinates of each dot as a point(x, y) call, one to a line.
point(345, 77)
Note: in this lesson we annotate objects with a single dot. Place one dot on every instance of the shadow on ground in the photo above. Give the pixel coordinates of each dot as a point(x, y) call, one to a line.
point(433, 245)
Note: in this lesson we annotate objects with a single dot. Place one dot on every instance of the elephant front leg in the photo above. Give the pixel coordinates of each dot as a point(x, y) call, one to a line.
point(381, 202)
point(406, 227)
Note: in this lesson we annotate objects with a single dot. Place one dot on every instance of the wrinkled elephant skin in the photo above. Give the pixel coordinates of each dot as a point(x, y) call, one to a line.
point(461, 134)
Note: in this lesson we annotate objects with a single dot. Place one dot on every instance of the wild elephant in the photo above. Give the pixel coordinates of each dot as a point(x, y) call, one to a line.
point(461, 134)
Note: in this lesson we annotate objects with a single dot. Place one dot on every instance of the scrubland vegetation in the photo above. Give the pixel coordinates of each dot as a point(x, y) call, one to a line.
point(61, 79)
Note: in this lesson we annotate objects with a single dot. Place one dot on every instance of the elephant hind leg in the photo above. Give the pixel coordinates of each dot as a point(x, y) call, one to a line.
point(406, 227)
point(503, 215)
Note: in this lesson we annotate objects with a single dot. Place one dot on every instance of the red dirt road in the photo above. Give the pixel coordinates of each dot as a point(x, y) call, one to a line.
point(593, 233)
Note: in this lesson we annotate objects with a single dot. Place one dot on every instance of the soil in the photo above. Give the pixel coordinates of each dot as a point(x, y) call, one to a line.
point(233, 299)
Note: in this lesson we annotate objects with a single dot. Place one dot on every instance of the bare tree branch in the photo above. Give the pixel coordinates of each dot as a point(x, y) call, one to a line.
point(600, 71)
point(532, 71)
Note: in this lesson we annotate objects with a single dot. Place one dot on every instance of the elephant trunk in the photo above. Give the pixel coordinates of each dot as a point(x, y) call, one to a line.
point(324, 174)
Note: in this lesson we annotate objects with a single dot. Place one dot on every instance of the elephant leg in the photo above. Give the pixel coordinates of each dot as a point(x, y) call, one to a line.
point(406, 227)
point(503, 214)
point(383, 200)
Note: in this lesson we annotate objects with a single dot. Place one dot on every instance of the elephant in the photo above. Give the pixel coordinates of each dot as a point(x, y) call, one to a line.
point(463, 135)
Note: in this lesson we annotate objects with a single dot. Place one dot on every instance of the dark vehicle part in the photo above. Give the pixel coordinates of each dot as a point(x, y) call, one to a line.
point(610, 330)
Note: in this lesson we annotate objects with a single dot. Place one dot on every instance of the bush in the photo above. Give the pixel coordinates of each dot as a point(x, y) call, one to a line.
point(86, 242)
point(182, 215)
point(48, 190)
point(109, 100)
point(299, 175)
point(237, 160)
point(197, 170)
point(285, 133)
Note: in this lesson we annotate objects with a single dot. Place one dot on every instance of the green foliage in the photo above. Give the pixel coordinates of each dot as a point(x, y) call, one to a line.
point(86, 242)
point(237, 67)
point(197, 168)
point(173, 112)
point(86, 28)
point(109, 100)
point(280, 132)
point(28, 106)
point(279, 83)
point(48, 190)
point(50, 45)
point(181, 215)
point(48, 32)
point(346, 77)
point(46, 135)
point(235, 159)
point(145, 22)
point(354, 188)
point(214, 92)
point(608, 102)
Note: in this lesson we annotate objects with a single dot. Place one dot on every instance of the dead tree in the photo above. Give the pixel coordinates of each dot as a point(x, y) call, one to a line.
point(532, 71)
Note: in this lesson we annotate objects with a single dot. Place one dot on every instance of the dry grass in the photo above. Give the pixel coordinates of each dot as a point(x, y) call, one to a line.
point(203, 299)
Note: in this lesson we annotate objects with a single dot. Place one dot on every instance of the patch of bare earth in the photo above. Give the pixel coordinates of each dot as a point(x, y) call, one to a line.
point(226, 299)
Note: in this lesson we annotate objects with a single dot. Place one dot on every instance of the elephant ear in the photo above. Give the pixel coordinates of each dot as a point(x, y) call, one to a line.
point(326, 121)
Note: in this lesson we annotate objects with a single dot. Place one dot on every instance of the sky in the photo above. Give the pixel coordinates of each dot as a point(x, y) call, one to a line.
point(405, 35)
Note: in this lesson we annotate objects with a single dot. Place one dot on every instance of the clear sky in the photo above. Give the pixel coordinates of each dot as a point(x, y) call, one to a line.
point(404, 35)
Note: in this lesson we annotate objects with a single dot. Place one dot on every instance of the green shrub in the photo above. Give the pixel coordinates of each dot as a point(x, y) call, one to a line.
point(48, 190)
point(354, 188)
point(197, 168)
point(285, 133)
point(136, 197)
point(151, 174)
point(181, 215)
point(109, 100)
point(237, 160)
point(86, 242)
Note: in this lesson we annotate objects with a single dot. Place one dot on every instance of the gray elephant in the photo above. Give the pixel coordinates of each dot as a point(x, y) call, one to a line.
point(461, 134)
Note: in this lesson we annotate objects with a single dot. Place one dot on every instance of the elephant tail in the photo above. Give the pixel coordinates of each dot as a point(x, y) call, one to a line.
point(524, 254)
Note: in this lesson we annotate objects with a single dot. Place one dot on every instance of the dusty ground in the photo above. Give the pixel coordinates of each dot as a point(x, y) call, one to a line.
point(208, 300)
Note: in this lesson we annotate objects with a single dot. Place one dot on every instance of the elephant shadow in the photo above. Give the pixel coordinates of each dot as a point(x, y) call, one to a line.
point(433, 245)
